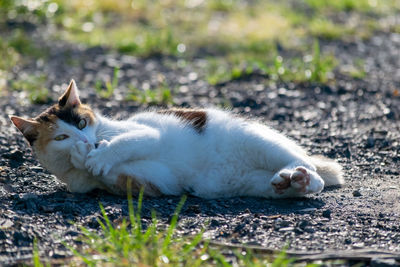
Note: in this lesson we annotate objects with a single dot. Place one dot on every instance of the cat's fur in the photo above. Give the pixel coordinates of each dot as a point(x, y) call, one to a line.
point(207, 153)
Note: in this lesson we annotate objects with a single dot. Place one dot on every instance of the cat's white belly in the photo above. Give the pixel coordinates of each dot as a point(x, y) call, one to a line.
point(209, 165)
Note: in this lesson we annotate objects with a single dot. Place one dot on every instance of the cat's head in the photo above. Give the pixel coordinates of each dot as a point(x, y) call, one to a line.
point(53, 132)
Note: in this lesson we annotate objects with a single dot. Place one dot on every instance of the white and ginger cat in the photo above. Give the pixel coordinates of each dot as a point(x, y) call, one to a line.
point(207, 153)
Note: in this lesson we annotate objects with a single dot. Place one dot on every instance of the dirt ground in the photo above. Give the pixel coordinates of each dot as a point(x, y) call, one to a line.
point(355, 121)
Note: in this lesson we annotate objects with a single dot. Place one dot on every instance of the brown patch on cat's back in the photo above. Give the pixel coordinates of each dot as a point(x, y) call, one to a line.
point(121, 186)
point(197, 118)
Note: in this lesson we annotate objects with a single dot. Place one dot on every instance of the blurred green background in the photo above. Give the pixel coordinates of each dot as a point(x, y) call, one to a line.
point(235, 37)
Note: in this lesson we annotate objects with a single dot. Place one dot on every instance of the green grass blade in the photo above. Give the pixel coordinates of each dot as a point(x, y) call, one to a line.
point(36, 257)
point(172, 225)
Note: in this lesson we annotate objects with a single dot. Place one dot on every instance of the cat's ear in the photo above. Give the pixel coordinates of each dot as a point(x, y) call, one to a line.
point(27, 127)
point(70, 96)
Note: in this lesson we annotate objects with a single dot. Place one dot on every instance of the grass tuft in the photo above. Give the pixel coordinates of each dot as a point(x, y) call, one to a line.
point(367, 6)
point(312, 67)
point(326, 29)
point(34, 87)
point(128, 243)
point(162, 95)
point(106, 89)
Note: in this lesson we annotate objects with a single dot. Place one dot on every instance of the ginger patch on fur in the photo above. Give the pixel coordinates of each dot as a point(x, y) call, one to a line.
point(196, 118)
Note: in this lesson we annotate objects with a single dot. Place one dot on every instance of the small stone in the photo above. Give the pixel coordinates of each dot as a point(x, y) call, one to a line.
point(326, 214)
point(309, 230)
point(47, 208)
point(347, 152)
point(235, 241)
point(214, 223)
point(31, 205)
point(72, 233)
point(28, 196)
point(239, 227)
point(22, 238)
point(253, 243)
point(357, 193)
point(358, 245)
point(59, 254)
point(286, 229)
point(298, 230)
point(194, 208)
point(308, 210)
point(303, 224)
point(370, 142)
point(14, 155)
point(93, 222)
point(284, 223)
point(5, 223)
point(277, 223)
point(36, 169)
point(378, 262)
point(2, 235)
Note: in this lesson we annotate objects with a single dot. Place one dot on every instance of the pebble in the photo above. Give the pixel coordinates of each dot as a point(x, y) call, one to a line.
point(308, 209)
point(309, 229)
point(327, 213)
point(358, 245)
point(303, 224)
point(36, 168)
point(194, 208)
point(28, 196)
point(47, 208)
point(3, 235)
point(239, 227)
point(370, 142)
point(379, 262)
point(357, 193)
point(15, 154)
point(214, 223)
point(286, 229)
point(5, 223)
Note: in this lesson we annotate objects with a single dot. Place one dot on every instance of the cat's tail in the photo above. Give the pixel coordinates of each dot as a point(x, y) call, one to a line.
point(329, 170)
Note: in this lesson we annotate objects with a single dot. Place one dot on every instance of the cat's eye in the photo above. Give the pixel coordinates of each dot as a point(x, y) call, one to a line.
point(82, 124)
point(61, 137)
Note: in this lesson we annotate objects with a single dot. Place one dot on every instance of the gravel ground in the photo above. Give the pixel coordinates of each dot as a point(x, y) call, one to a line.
point(355, 121)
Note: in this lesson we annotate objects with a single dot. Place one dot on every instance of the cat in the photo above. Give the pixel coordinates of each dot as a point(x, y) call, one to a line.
point(208, 153)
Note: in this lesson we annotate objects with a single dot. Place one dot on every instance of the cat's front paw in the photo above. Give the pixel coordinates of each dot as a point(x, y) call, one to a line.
point(79, 152)
point(99, 161)
point(299, 181)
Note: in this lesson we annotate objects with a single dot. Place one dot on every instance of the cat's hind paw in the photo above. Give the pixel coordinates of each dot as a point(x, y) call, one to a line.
point(281, 182)
point(299, 181)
